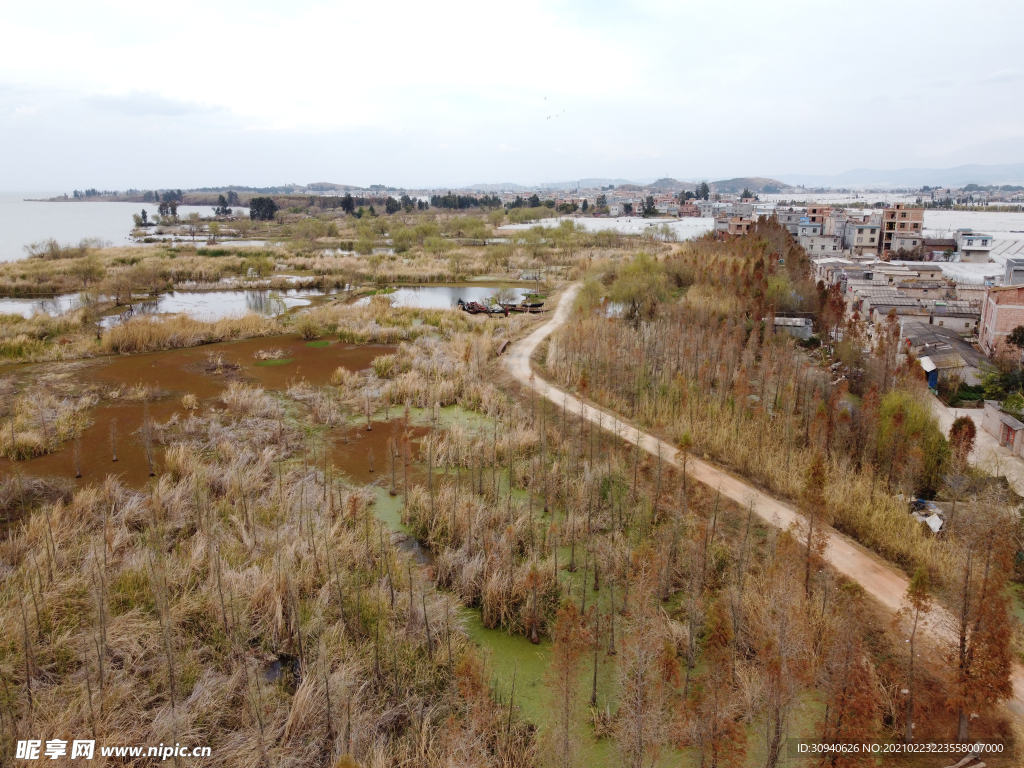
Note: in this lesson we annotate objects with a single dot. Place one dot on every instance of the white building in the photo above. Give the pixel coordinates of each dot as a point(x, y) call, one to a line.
point(974, 247)
point(816, 244)
point(861, 236)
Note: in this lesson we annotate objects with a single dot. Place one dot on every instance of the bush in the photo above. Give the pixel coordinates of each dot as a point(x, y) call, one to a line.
point(308, 328)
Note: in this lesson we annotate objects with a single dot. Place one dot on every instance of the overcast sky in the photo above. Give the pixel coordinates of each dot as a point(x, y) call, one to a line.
point(114, 94)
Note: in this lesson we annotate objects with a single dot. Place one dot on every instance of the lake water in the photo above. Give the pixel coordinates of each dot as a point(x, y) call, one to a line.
point(202, 305)
point(23, 222)
point(445, 296)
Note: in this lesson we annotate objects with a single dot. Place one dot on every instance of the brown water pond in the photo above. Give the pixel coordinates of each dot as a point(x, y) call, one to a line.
point(202, 371)
point(364, 455)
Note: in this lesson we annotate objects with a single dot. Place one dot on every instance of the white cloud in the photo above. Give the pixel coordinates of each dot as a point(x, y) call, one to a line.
point(640, 89)
point(147, 104)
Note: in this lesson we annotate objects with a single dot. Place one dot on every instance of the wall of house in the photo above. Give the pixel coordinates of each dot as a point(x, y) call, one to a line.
point(1002, 311)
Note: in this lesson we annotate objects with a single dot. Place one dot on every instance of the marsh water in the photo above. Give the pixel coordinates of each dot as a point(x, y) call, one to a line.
point(202, 305)
point(205, 372)
point(215, 305)
point(446, 296)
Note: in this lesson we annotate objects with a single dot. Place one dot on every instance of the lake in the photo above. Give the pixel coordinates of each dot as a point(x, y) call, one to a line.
point(444, 296)
point(23, 222)
point(202, 305)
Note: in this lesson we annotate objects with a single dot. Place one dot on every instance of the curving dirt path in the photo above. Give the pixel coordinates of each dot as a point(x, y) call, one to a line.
point(878, 578)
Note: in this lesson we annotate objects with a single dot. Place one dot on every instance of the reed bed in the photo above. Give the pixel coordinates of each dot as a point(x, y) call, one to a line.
point(146, 334)
point(248, 600)
point(41, 421)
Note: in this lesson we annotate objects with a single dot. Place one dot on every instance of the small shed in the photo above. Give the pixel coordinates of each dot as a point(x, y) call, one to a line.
point(931, 370)
point(800, 327)
point(1005, 428)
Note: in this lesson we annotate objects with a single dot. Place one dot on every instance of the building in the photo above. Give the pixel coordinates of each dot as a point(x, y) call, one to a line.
point(798, 327)
point(906, 243)
point(946, 348)
point(860, 236)
point(808, 228)
point(900, 220)
point(815, 244)
point(937, 248)
point(924, 289)
point(974, 247)
point(926, 271)
point(711, 208)
point(1008, 430)
point(960, 316)
point(687, 210)
point(790, 219)
point(818, 213)
point(733, 225)
point(1014, 271)
point(1001, 312)
point(614, 209)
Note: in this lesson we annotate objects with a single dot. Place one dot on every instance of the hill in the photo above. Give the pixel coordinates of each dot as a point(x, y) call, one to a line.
point(753, 183)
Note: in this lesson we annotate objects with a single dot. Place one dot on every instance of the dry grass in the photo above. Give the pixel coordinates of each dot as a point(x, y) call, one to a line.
point(149, 334)
point(42, 421)
point(243, 602)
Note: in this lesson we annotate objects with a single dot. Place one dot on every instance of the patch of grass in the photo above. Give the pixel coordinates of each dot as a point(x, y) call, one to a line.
point(318, 344)
point(131, 589)
point(281, 361)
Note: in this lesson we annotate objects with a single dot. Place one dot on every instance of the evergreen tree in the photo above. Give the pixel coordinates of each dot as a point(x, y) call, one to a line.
point(262, 208)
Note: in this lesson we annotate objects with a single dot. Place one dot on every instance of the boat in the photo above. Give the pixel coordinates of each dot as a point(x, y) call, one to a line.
point(472, 307)
point(527, 306)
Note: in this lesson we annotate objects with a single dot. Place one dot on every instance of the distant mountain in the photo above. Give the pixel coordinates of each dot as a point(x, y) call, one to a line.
point(756, 184)
point(914, 178)
point(671, 185)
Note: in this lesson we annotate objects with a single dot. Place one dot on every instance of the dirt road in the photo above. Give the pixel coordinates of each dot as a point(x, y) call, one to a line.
point(879, 579)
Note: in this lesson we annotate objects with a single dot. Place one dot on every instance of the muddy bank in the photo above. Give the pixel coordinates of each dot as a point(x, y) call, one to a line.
point(153, 384)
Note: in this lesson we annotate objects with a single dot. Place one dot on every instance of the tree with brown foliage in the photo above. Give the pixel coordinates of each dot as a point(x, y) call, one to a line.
point(563, 676)
point(813, 507)
point(848, 684)
point(917, 603)
point(640, 729)
point(717, 733)
point(962, 435)
point(980, 657)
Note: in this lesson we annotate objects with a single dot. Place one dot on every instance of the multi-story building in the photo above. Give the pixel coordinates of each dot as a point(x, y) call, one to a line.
point(906, 243)
point(900, 220)
point(1001, 312)
point(815, 244)
point(974, 247)
point(807, 228)
point(711, 208)
point(861, 236)
point(818, 213)
point(732, 225)
point(1014, 271)
point(790, 219)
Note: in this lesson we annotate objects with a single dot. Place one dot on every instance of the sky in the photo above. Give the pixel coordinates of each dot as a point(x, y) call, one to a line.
point(114, 94)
